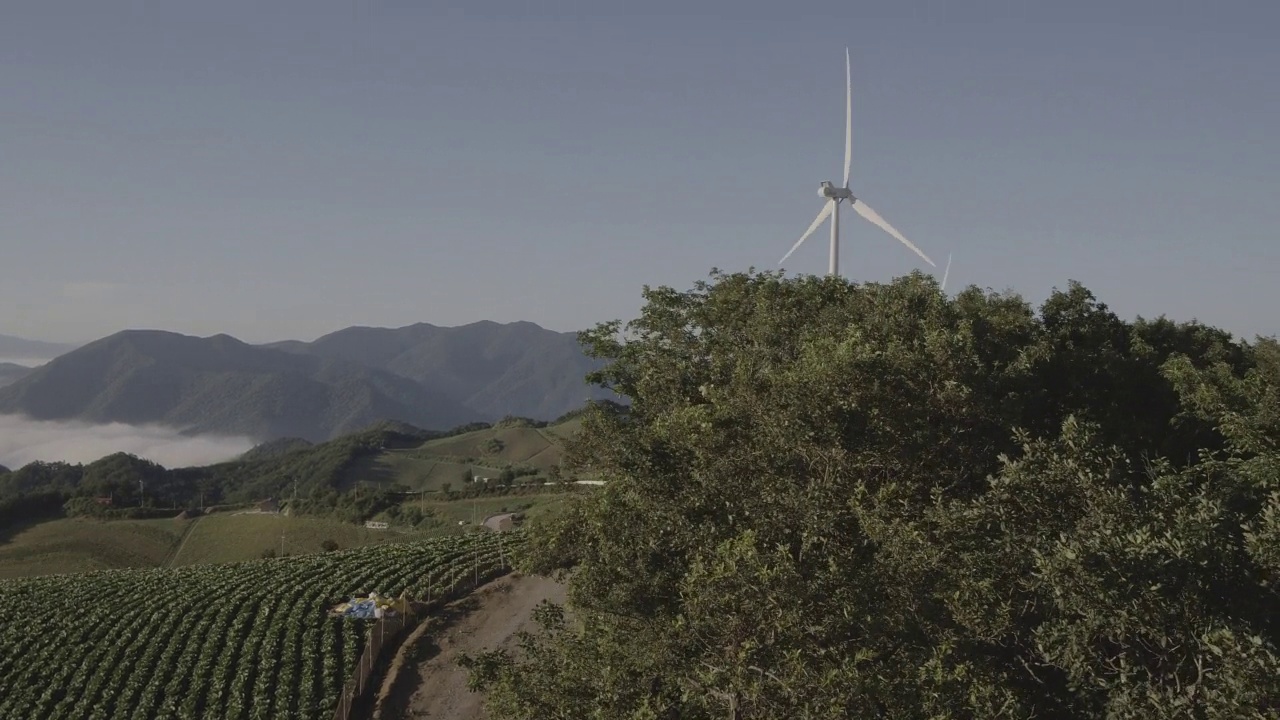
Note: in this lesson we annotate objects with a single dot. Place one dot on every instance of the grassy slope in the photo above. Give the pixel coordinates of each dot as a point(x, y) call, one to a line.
point(533, 506)
point(76, 545)
point(79, 545)
point(230, 538)
point(444, 460)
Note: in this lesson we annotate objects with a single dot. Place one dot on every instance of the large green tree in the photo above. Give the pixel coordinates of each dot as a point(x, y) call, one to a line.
point(836, 500)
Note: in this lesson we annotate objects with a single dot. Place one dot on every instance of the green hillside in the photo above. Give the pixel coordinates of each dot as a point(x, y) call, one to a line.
point(339, 484)
point(50, 521)
point(485, 452)
point(79, 545)
point(72, 545)
point(226, 537)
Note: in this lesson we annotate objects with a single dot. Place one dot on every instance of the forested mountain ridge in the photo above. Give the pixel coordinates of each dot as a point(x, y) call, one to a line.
point(494, 369)
point(11, 373)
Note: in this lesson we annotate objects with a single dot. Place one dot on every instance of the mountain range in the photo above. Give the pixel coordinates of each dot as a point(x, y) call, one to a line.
point(29, 352)
point(428, 376)
point(11, 373)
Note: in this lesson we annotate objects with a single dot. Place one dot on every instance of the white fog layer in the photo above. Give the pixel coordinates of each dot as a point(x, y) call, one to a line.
point(23, 440)
point(24, 361)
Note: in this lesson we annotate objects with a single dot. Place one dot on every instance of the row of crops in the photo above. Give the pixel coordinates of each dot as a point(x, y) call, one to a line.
point(250, 640)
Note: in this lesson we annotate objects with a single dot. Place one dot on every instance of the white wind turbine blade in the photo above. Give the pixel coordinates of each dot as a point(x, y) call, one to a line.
point(822, 215)
point(946, 272)
point(848, 118)
point(865, 211)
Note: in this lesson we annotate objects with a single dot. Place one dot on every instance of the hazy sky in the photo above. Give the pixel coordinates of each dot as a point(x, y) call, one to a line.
point(286, 168)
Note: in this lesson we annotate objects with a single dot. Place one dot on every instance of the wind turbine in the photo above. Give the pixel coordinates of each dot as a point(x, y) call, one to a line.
point(834, 195)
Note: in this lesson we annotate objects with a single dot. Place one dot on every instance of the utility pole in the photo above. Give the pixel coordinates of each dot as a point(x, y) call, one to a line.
point(142, 498)
point(282, 542)
point(475, 550)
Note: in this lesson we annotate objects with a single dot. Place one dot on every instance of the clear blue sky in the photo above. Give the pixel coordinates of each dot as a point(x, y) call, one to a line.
point(287, 168)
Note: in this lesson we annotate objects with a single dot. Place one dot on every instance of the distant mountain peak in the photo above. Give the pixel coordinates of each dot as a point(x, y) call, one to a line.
point(17, 348)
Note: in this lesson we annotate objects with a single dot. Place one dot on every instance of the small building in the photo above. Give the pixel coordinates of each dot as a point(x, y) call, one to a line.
point(104, 500)
point(376, 525)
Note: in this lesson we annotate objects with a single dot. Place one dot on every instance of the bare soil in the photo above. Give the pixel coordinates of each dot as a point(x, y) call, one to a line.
point(424, 681)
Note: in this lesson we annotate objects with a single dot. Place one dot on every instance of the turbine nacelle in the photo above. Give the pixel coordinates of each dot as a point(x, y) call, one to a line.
point(828, 190)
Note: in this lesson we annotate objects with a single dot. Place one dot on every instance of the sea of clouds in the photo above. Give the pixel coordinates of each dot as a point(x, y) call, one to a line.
point(23, 440)
point(24, 361)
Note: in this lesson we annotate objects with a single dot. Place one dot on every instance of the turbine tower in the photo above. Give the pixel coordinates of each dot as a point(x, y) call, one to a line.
point(833, 195)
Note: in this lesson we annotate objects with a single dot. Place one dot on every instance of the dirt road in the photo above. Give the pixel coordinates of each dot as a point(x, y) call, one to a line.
point(430, 684)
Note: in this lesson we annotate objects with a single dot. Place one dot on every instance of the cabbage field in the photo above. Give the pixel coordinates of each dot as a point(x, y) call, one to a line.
point(249, 640)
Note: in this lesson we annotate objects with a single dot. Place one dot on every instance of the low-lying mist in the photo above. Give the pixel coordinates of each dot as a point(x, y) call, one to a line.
point(23, 440)
point(24, 361)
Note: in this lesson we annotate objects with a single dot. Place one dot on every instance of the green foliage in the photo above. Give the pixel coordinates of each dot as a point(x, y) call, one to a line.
point(30, 507)
point(517, 421)
point(830, 500)
point(276, 448)
point(90, 508)
point(315, 468)
point(582, 411)
point(354, 506)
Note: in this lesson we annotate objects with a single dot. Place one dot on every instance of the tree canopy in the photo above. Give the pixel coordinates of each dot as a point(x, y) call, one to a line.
point(838, 500)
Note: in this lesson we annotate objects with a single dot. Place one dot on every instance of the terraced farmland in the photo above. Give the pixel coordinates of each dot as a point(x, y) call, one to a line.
point(250, 640)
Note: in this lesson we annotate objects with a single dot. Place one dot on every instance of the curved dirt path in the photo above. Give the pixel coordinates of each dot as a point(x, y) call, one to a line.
point(426, 683)
point(186, 535)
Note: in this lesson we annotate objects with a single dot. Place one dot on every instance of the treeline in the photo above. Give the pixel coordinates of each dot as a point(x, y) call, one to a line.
point(839, 500)
point(127, 484)
point(519, 421)
point(127, 480)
